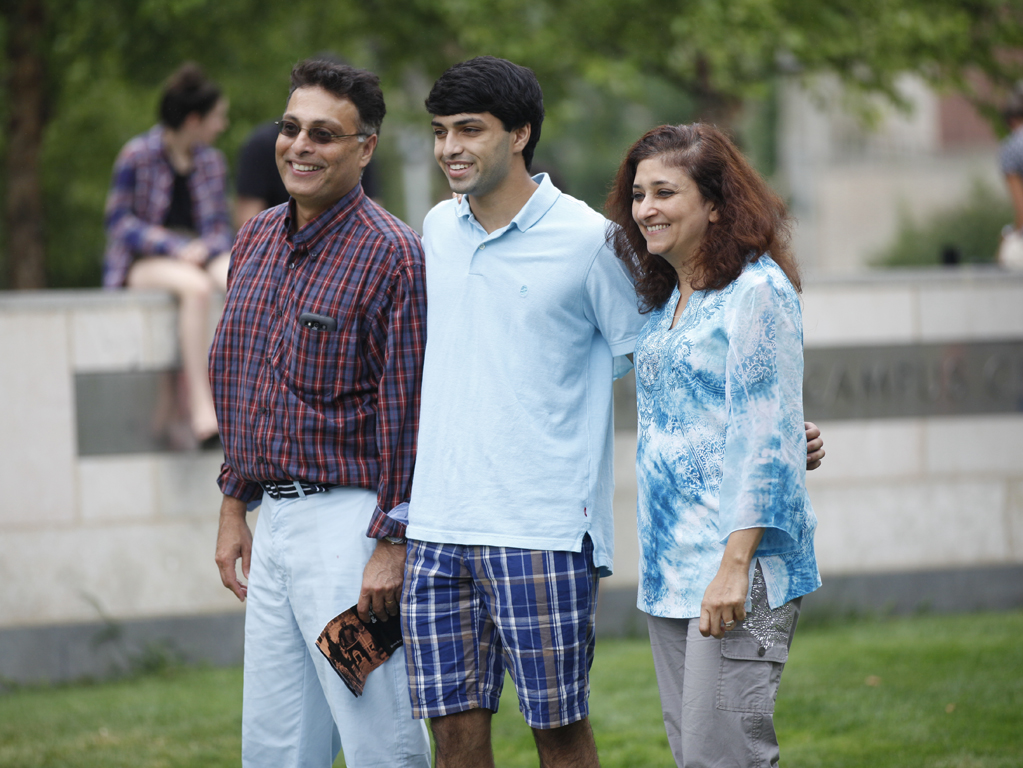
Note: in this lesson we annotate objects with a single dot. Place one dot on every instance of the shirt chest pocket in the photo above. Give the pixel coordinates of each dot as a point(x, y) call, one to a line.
point(311, 361)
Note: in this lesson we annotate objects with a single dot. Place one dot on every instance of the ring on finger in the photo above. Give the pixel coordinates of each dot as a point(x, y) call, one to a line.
point(729, 624)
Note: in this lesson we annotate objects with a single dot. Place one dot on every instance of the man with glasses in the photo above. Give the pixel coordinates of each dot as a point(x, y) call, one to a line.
point(316, 370)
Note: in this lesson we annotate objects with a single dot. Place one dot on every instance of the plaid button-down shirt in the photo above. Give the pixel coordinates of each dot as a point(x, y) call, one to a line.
point(323, 406)
point(140, 195)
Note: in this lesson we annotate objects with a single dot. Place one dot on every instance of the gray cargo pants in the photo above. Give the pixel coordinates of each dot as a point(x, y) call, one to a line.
point(718, 696)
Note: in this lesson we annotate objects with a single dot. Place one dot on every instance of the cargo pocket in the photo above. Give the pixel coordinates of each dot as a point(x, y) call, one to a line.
point(750, 673)
point(753, 654)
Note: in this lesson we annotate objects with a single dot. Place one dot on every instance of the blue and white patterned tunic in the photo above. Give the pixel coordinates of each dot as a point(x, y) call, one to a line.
point(721, 441)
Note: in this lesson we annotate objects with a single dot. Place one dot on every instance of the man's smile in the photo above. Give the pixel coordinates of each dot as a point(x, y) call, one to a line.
point(458, 168)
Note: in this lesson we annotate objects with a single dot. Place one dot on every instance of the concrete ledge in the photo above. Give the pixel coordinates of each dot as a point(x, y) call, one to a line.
point(71, 299)
point(989, 588)
point(62, 653)
point(915, 276)
point(969, 274)
point(926, 495)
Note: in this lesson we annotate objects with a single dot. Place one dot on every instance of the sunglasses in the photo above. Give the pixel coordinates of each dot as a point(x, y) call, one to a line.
point(291, 130)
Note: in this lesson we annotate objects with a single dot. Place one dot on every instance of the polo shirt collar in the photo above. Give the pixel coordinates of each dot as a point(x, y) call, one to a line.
point(536, 206)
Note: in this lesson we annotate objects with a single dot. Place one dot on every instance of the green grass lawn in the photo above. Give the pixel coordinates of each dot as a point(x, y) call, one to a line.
point(934, 691)
point(929, 691)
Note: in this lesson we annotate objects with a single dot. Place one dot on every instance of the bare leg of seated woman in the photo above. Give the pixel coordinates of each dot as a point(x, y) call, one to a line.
point(217, 270)
point(193, 286)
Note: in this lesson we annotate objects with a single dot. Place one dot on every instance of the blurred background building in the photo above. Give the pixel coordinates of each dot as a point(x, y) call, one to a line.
point(856, 187)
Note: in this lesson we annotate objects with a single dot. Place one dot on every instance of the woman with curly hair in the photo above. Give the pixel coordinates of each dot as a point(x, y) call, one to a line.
point(725, 524)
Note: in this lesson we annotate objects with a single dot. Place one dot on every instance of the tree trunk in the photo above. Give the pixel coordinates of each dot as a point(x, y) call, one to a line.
point(26, 103)
point(713, 106)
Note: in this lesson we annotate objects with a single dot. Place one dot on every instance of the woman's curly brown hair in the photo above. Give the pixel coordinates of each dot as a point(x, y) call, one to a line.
point(752, 218)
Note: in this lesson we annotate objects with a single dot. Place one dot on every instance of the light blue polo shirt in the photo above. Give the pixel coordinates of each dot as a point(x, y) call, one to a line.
point(515, 433)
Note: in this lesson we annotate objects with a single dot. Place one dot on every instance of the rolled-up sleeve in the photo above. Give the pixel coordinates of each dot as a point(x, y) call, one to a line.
point(231, 484)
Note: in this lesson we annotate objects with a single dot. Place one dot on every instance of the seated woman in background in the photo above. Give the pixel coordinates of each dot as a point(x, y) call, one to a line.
point(1010, 251)
point(725, 524)
point(168, 225)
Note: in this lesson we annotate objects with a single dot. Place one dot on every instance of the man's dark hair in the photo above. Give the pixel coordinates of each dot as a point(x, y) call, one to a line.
point(359, 86)
point(186, 91)
point(509, 92)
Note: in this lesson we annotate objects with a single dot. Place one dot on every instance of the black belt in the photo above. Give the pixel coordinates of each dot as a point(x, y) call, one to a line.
point(293, 490)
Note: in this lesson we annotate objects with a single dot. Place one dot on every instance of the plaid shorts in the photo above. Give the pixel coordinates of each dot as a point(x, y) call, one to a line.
point(470, 612)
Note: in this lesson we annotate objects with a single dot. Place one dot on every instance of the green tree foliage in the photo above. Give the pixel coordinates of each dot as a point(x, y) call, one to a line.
point(99, 68)
point(972, 229)
point(724, 50)
point(98, 65)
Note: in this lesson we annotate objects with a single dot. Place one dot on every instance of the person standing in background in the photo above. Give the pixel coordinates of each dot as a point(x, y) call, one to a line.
point(167, 222)
point(258, 183)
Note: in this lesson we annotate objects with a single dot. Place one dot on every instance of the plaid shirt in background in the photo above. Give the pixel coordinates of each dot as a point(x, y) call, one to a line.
point(341, 406)
point(140, 194)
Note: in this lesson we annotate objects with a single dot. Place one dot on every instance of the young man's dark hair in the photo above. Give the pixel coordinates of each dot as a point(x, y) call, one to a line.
point(509, 92)
point(359, 86)
point(187, 91)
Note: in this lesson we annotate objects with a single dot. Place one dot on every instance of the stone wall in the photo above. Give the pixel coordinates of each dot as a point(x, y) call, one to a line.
point(91, 545)
point(108, 517)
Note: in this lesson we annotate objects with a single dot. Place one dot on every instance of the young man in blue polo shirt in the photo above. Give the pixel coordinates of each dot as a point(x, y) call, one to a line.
point(510, 515)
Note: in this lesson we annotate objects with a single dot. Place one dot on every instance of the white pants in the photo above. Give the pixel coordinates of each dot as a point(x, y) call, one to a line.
point(308, 556)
